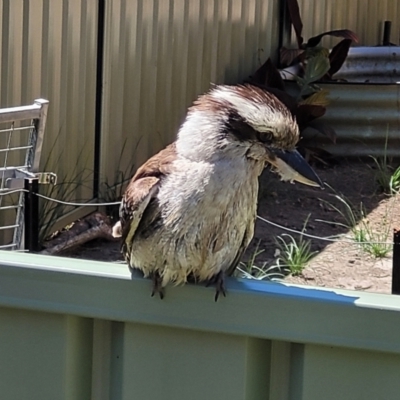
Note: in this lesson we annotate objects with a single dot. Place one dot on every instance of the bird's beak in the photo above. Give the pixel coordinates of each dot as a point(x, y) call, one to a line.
point(291, 166)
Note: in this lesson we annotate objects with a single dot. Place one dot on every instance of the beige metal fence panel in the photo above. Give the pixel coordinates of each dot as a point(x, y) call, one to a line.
point(48, 49)
point(365, 17)
point(159, 55)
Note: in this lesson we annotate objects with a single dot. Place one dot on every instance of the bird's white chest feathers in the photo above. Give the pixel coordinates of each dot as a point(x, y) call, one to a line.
point(206, 209)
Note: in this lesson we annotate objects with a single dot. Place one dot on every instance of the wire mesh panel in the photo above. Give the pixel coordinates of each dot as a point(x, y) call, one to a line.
point(21, 140)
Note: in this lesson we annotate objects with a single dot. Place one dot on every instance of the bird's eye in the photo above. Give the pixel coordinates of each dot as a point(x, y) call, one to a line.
point(265, 137)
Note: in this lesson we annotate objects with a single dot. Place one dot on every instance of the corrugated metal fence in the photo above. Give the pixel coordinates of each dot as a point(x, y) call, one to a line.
point(365, 17)
point(159, 55)
point(366, 119)
point(48, 50)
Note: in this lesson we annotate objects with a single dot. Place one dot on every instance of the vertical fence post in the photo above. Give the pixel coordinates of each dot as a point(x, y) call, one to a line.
point(396, 262)
point(386, 33)
point(31, 214)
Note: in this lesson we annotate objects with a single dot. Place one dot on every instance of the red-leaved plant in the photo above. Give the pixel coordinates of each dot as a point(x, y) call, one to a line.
point(316, 64)
point(306, 51)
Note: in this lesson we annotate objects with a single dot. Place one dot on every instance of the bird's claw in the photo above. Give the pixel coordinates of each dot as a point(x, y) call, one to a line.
point(157, 285)
point(219, 281)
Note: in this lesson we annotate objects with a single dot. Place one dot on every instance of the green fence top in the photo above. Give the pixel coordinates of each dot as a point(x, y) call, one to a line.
point(252, 308)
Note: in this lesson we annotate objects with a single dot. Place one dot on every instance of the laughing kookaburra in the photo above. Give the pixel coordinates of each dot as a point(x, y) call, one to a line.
point(190, 210)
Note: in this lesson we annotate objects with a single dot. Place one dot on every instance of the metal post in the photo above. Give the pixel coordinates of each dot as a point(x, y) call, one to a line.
point(396, 263)
point(386, 33)
point(31, 214)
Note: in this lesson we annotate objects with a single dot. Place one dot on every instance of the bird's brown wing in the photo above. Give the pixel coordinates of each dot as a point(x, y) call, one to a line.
point(157, 166)
point(135, 201)
point(141, 190)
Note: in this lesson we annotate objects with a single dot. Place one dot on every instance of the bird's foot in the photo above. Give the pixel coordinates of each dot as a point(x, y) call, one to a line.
point(157, 285)
point(219, 281)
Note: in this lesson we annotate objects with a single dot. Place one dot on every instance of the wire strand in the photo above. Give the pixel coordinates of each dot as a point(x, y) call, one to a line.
point(66, 203)
point(327, 239)
point(284, 228)
point(69, 203)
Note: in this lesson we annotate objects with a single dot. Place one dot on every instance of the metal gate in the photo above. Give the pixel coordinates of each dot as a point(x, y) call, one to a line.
point(21, 140)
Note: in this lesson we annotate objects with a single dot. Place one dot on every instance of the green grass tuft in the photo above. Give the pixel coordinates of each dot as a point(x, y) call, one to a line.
point(262, 271)
point(372, 240)
point(294, 254)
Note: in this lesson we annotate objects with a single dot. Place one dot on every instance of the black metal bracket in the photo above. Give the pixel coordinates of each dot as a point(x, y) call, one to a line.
point(31, 214)
point(396, 263)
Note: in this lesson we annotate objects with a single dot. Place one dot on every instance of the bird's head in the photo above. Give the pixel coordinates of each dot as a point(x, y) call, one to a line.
point(246, 121)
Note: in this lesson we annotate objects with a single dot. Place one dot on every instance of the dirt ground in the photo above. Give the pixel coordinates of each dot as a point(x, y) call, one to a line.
point(340, 264)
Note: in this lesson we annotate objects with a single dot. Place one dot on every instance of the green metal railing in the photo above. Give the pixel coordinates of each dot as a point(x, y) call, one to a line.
point(77, 329)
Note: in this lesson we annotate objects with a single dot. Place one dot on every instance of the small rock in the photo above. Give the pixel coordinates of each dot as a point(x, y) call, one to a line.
point(351, 261)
